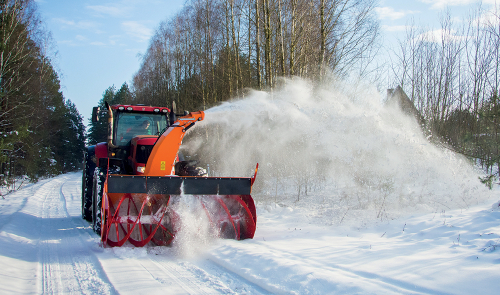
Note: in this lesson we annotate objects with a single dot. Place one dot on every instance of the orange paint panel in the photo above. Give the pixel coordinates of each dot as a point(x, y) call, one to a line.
point(161, 162)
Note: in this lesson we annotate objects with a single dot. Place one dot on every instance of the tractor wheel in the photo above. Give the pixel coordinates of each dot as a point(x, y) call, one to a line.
point(87, 182)
point(97, 191)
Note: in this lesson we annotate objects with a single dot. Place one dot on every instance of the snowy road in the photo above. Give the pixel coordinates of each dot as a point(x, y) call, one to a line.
point(46, 248)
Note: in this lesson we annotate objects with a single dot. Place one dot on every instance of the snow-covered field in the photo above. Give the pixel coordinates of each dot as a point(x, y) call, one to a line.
point(45, 247)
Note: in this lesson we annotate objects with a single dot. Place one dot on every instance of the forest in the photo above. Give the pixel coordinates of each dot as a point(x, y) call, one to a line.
point(217, 50)
point(41, 132)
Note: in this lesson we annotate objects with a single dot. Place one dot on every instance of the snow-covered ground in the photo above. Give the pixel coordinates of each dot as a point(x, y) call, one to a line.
point(351, 198)
point(45, 247)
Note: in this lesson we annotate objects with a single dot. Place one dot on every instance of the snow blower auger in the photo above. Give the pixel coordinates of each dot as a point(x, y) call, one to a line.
point(132, 184)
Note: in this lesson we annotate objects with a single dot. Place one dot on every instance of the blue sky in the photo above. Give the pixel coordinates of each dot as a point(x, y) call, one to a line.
point(99, 42)
point(396, 14)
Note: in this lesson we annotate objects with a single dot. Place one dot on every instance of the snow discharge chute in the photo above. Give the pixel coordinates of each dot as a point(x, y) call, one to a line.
point(139, 179)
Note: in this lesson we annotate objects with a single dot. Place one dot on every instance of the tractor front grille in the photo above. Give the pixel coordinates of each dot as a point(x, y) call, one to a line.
point(143, 152)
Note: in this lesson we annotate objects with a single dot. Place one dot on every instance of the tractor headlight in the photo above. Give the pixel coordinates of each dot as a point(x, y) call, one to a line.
point(141, 169)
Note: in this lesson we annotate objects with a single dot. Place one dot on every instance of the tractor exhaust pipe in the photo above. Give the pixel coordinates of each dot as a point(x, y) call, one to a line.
point(110, 126)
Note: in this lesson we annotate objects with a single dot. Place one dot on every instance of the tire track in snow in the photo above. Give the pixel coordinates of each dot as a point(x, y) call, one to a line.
point(15, 201)
point(171, 274)
point(134, 270)
point(238, 284)
point(192, 279)
point(199, 275)
point(66, 262)
point(19, 236)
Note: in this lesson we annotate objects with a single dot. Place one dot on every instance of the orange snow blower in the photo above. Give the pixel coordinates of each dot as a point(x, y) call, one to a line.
point(133, 184)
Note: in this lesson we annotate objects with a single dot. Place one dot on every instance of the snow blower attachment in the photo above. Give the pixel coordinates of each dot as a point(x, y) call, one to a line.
point(133, 184)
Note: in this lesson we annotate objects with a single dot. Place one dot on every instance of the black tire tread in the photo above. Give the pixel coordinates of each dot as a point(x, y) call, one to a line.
point(97, 192)
point(87, 183)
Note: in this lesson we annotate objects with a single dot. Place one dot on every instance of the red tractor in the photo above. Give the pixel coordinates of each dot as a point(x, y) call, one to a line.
point(132, 183)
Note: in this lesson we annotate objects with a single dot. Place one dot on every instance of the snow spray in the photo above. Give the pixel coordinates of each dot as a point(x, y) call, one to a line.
point(334, 148)
point(194, 231)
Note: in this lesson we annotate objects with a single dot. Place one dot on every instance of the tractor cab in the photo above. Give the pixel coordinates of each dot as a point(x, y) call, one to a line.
point(130, 124)
point(133, 184)
point(132, 132)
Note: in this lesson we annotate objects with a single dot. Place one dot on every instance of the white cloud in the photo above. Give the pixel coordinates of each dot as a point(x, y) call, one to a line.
point(114, 39)
point(87, 25)
point(137, 30)
point(64, 21)
point(390, 13)
point(440, 4)
point(110, 10)
point(97, 43)
point(394, 28)
point(490, 17)
point(80, 38)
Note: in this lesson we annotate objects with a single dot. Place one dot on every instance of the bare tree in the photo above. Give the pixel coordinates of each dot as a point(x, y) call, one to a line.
point(18, 22)
point(202, 54)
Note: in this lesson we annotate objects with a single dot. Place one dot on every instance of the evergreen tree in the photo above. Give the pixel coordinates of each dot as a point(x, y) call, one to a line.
point(122, 96)
point(40, 132)
point(73, 138)
point(98, 131)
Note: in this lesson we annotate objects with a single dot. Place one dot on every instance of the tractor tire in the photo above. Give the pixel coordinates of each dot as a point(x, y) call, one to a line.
point(97, 194)
point(87, 182)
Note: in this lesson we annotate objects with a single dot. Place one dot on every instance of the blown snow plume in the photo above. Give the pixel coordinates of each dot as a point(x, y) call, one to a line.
point(195, 232)
point(335, 148)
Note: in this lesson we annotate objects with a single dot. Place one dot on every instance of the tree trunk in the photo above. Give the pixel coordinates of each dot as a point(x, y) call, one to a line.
point(282, 46)
point(257, 43)
point(267, 47)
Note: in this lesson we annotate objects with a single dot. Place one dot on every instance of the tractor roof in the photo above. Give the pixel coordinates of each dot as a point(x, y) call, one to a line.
point(140, 108)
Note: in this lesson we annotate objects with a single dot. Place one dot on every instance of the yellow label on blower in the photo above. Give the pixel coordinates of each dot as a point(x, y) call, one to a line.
point(162, 165)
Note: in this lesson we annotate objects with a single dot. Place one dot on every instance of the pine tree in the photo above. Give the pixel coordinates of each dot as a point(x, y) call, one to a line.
point(73, 138)
point(98, 130)
point(40, 132)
